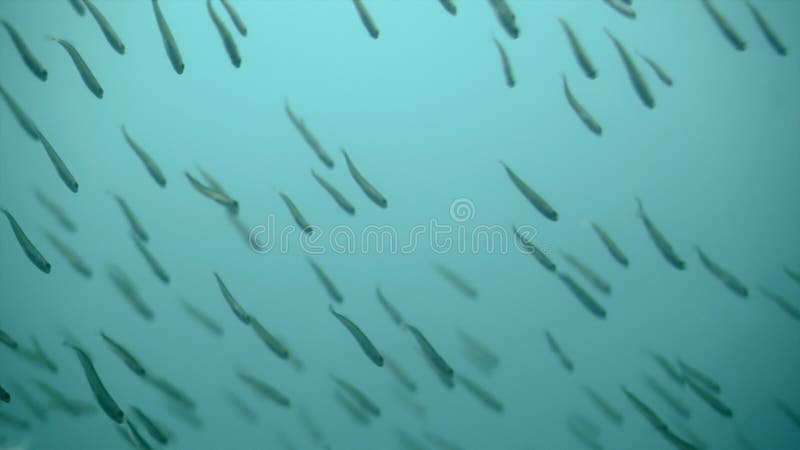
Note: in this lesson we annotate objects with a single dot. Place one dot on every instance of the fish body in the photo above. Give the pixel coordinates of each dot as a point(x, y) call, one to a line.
point(366, 345)
point(637, 80)
point(83, 69)
point(308, 137)
point(146, 159)
point(128, 290)
point(63, 172)
point(508, 71)
point(586, 300)
point(203, 318)
point(153, 429)
point(234, 305)
point(133, 221)
point(33, 254)
point(591, 123)
point(506, 17)
point(358, 396)
point(225, 35)
point(296, 214)
point(104, 399)
point(390, 309)
point(532, 196)
point(565, 361)
point(235, 18)
point(728, 279)
point(481, 393)
point(725, 26)
point(577, 48)
point(326, 281)
point(664, 247)
point(171, 47)
point(366, 19)
point(769, 33)
point(57, 211)
point(457, 281)
point(660, 72)
point(596, 280)
point(337, 196)
point(155, 265)
point(265, 390)
point(20, 115)
point(444, 369)
point(365, 185)
point(28, 57)
point(271, 341)
point(125, 355)
point(218, 196)
point(105, 26)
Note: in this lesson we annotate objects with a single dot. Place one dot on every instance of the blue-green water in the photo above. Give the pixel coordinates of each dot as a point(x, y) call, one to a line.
point(425, 114)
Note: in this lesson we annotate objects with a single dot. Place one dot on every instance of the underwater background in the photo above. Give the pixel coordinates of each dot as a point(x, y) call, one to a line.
point(425, 114)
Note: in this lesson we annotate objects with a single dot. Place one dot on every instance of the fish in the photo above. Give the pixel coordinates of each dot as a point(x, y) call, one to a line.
point(506, 17)
point(83, 69)
point(349, 405)
point(37, 409)
point(337, 196)
point(363, 401)
point(154, 264)
point(61, 401)
point(227, 38)
point(146, 159)
point(565, 361)
point(603, 405)
point(56, 211)
point(483, 357)
point(691, 437)
point(728, 279)
point(586, 300)
point(443, 369)
point(667, 367)
point(220, 197)
point(440, 441)
point(188, 416)
point(596, 280)
point(235, 18)
point(75, 260)
point(622, 8)
point(669, 398)
point(366, 19)
point(265, 390)
point(363, 341)
point(4, 395)
point(241, 408)
point(105, 26)
point(63, 172)
point(310, 139)
point(271, 341)
point(534, 198)
point(653, 418)
point(794, 275)
point(530, 248)
point(711, 400)
point(284, 441)
point(413, 406)
point(125, 355)
point(581, 425)
point(27, 55)
point(589, 441)
point(664, 247)
point(744, 442)
point(14, 421)
point(104, 399)
point(591, 123)
point(765, 27)
point(449, 6)
point(128, 289)
point(202, 318)
point(296, 214)
point(133, 221)
point(701, 378)
point(790, 413)
point(400, 374)
point(8, 341)
point(234, 305)
point(138, 439)
point(577, 49)
point(660, 72)
point(33, 254)
point(481, 393)
point(20, 115)
point(44, 359)
point(456, 280)
point(77, 5)
point(179, 398)
point(310, 425)
point(677, 441)
point(508, 72)
point(787, 307)
point(724, 26)
point(326, 281)
point(365, 185)
point(153, 429)
point(390, 309)
point(637, 80)
point(173, 52)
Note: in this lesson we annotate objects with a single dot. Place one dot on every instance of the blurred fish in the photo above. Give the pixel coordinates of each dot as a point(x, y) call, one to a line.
point(24, 121)
point(637, 80)
point(58, 163)
point(202, 318)
point(83, 69)
point(326, 281)
point(310, 139)
point(338, 197)
point(27, 56)
point(481, 393)
point(691, 437)
point(125, 355)
point(660, 72)
point(8, 341)
point(530, 248)
point(225, 35)
point(235, 18)
point(75, 260)
point(77, 5)
point(556, 349)
point(444, 370)
point(296, 214)
point(535, 199)
point(4, 395)
point(408, 441)
point(133, 221)
point(604, 406)
point(413, 406)
point(622, 7)
point(389, 308)
point(363, 341)
point(285, 441)
point(654, 420)
point(591, 123)
point(271, 341)
point(173, 52)
point(583, 426)
point(14, 421)
point(449, 6)
point(772, 38)
point(30, 250)
point(363, 401)
point(578, 51)
point(790, 413)
point(242, 409)
point(104, 399)
point(125, 434)
point(583, 434)
point(234, 305)
point(508, 72)
point(220, 197)
point(146, 159)
point(701, 378)
point(188, 416)
point(787, 307)
point(586, 300)
point(105, 26)
point(60, 401)
point(668, 397)
point(440, 441)
point(596, 281)
point(349, 405)
point(724, 26)
point(56, 211)
point(456, 280)
point(365, 185)
point(506, 17)
point(265, 390)
point(794, 275)
point(155, 265)
point(661, 242)
point(366, 19)
point(36, 409)
point(310, 425)
point(728, 279)
point(178, 397)
point(715, 403)
point(744, 442)
point(400, 374)
point(140, 441)
point(155, 430)
point(677, 441)
point(667, 367)
point(479, 353)
point(128, 289)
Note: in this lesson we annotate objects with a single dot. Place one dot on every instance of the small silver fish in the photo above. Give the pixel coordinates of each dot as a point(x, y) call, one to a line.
point(234, 305)
point(577, 49)
point(173, 52)
point(58, 163)
point(27, 56)
point(591, 123)
point(146, 159)
point(366, 345)
point(235, 18)
point(365, 185)
point(227, 38)
point(508, 71)
point(534, 198)
point(83, 69)
point(125, 355)
point(105, 26)
point(30, 250)
point(637, 80)
point(366, 19)
point(104, 399)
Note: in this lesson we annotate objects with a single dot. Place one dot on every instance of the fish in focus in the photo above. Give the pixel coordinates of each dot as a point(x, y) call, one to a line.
point(443, 369)
point(508, 72)
point(58, 163)
point(146, 159)
point(337, 196)
point(660, 72)
point(271, 341)
point(152, 262)
point(637, 80)
point(234, 305)
point(664, 247)
point(363, 341)
point(83, 69)
point(125, 355)
point(481, 393)
point(534, 198)
point(365, 185)
point(104, 399)
point(133, 221)
point(578, 50)
point(529, 248)
point(214, 194)
point(621, 7)
point(591, 123)
point(309, 138)
point(105, 26)
point(28, 57)
point(725, 26)
point(296, 214)
point(225, 35)
point(33, 254)
point(171, 47)
point(728, 279)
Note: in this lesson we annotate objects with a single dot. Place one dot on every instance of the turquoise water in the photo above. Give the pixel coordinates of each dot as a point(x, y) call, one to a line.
point(425, 115)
